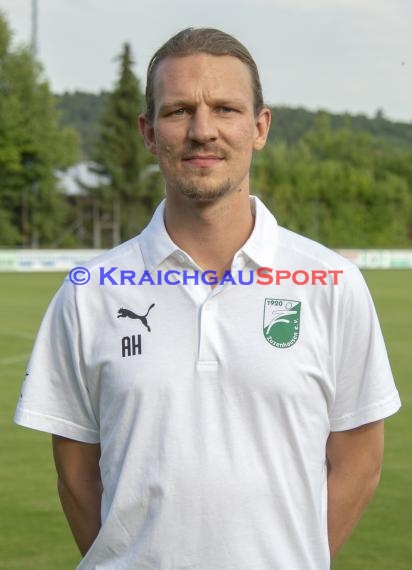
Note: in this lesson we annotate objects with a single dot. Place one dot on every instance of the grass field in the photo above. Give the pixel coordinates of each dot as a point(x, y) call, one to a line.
point(33, 531)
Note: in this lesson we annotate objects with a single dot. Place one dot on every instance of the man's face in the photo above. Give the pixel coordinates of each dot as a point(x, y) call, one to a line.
point(204, 130)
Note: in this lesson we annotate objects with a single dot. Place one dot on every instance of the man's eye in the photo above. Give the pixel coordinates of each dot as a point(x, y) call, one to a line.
point(225, 110)
point(178, 112)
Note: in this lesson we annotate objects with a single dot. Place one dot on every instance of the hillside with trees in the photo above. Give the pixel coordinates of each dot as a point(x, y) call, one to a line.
point(291, 125)
point(83, 112)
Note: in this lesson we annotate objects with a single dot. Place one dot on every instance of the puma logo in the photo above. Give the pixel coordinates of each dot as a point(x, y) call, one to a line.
point(124, 313)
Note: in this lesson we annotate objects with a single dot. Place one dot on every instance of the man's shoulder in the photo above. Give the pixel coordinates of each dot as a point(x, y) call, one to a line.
point(123, 254)
point(303, 249)
point(126, 257)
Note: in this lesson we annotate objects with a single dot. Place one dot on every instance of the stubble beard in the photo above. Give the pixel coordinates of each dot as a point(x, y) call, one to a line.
point(200, 192)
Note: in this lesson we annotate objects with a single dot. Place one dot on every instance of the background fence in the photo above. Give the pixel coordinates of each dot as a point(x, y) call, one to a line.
point(52, 260)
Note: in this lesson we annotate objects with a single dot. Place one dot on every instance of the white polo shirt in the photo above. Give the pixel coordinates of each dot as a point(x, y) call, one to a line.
point(213, 410)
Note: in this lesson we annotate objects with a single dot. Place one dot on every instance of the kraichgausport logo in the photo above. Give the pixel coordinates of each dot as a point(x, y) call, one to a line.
point(281, 322)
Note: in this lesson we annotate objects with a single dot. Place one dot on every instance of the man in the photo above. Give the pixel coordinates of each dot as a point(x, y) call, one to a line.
point(211, 426)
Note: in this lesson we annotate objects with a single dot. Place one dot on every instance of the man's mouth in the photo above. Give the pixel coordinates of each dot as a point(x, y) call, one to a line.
point(203, 160)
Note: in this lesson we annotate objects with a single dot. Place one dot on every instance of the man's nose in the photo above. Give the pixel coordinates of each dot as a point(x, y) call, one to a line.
point(202, 126)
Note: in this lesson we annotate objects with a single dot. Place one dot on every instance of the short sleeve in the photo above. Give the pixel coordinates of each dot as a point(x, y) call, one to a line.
point(364, 386)
point(55, 397)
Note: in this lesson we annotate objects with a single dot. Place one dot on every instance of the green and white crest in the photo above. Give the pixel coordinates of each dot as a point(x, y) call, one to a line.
point(281, 322)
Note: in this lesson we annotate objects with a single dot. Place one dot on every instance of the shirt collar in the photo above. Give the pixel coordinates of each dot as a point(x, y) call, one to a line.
point(262, 242)
point(156, 244)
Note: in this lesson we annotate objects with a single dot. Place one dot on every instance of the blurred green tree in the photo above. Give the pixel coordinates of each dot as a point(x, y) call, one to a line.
point(32, 147)
point(130, 194)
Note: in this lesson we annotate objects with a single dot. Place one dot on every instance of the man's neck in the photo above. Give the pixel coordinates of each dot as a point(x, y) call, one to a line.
point(210, 233)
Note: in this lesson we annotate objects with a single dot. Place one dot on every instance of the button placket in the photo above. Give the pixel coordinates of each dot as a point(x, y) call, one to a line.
point(207, 333)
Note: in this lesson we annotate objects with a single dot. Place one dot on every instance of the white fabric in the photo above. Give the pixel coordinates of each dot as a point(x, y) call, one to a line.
point(212, 439)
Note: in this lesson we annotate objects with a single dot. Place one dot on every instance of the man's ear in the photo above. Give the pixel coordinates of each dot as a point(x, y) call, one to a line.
point(147, 132)
point(262, 128)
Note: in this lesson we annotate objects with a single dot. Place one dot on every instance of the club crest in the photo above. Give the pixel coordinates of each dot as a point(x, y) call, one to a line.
point(281, 322)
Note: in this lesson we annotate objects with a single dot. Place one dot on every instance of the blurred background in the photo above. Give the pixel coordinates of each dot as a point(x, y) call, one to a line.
point(74, 175)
